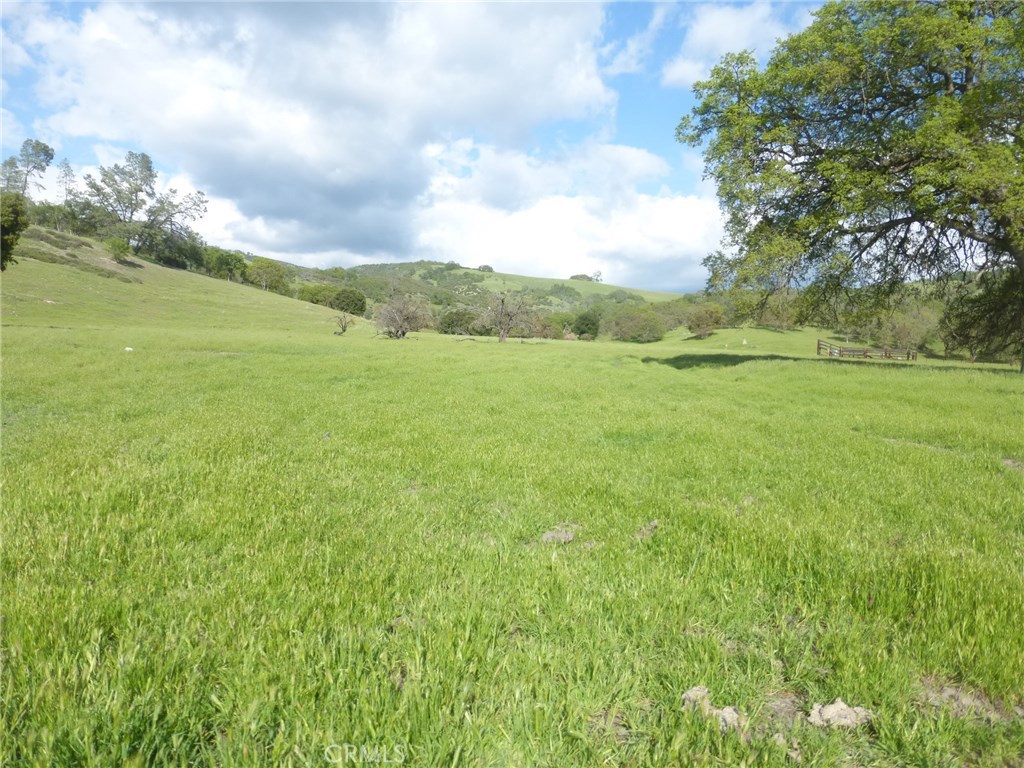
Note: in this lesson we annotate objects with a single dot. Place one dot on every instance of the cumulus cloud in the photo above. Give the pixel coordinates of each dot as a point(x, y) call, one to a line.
point(586, 215)
point(714, 30)
point(326, 133)
point(315, 117)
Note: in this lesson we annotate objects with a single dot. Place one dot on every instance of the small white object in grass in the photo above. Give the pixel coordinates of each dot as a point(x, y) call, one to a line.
point(128, 349)
point(744, 342)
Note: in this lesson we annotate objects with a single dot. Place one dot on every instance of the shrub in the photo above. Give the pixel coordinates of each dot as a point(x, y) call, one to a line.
point(587, 324)
point(349, 300)
point(317, 293)
point(456, 321)
point(553, 326)
point(704, 319)
point(637, 324)
point(118, 248)
point(485, 268)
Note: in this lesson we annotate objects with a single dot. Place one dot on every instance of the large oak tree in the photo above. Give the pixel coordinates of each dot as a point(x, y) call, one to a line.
point(880, 146)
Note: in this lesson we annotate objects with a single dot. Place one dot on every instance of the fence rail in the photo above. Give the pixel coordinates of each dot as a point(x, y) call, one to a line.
point(868, 353)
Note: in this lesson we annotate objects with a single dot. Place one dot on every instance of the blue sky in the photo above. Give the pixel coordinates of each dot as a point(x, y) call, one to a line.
point(535, 137)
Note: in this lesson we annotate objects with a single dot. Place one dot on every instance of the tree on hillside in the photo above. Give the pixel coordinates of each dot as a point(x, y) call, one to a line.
point(13, 221)
point(10, 175)
point(268, 274)
point(882, 144)
point(350, 300)
point(66, 179)
point(400, 316)
point(225, 264)
point(17, 170)
point(152, 222)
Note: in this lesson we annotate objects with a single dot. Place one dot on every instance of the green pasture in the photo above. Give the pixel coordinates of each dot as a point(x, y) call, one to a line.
point(248, 541)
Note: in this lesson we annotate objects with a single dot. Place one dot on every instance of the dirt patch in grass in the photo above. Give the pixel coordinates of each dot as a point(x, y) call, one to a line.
point(784, 709)
point(698, 699)
point(563, 533)
point(607, 722)
point(1014, 464)
point(647, 531)
point(839, 714)
point(964, 703)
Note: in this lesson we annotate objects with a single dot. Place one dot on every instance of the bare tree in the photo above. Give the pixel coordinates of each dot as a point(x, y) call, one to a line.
point(507, 312)
point(344, 322)
point(400, 316)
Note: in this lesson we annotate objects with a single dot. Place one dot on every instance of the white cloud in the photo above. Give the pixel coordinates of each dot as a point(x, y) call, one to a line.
point(634, 239)
point(632, 56)
point(316, 116)
point(329, 133)
point(714, 30)
point(9, 125)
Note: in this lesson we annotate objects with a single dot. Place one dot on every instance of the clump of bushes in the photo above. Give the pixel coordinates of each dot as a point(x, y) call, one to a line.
point(638, 324)
point(704, 319)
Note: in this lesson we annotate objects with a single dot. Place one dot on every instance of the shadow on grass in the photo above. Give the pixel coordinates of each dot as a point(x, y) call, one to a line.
point(724, 360)
point(701, 360)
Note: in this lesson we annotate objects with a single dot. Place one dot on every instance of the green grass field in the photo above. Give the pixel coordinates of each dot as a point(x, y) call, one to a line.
point(251, 542)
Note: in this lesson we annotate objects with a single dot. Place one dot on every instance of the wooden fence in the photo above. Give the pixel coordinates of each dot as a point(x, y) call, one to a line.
point(868, 353)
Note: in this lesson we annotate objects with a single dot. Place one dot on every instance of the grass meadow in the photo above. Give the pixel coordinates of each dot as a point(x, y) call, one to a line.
point(249, 541)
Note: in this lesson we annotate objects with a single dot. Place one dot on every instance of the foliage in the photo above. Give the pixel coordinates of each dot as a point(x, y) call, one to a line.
point(316, 293)
point(457, 321)
point(118, 248)
point(587, 324)
point(584, 278)
point(17, 171)
point(565, 293)
point(182, 249)
point(673, 313)
point(350, 300)
point(10, 176)
point(554, 325)
point(225, 264)
point(620, 296)
point(13, 221)
point(704, 318)
point(152, 222)
point(778, 310)
point(268, 274)
point(485, 268)
point(640, 324)
point(66, 179)
point(400, 316)
point(882, 144)
point(985, 316)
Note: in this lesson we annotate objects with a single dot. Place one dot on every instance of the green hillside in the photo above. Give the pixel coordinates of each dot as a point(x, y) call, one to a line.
point(231, 537)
